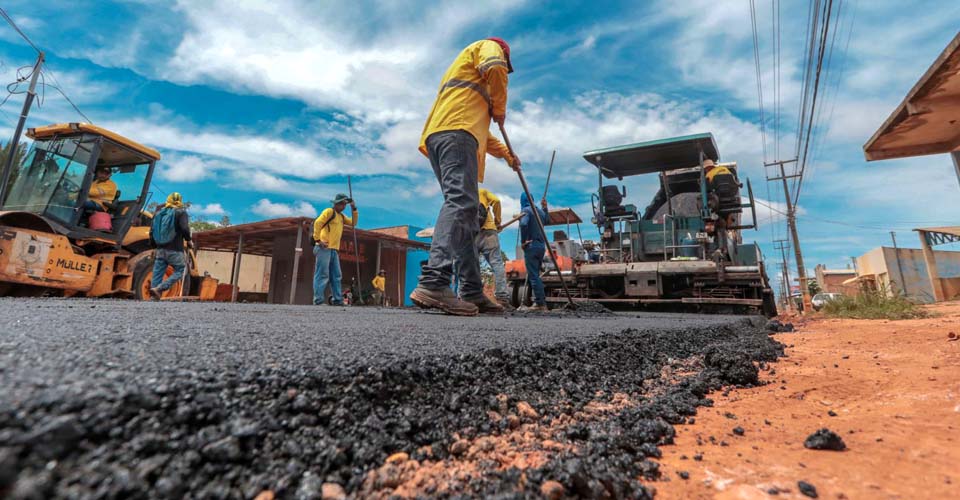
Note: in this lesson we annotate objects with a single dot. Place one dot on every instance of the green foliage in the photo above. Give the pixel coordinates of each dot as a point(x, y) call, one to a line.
point(18, 160)
point(813, 287)
point(874, 304)
point(202, 225)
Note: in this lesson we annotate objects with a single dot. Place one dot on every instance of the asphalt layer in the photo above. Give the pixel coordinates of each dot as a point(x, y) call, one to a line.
point(122, 399)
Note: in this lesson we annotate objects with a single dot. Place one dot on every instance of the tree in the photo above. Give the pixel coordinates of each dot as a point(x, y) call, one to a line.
point(225, 221)
point(813, 287)
point(202, 225)
point(17, 161)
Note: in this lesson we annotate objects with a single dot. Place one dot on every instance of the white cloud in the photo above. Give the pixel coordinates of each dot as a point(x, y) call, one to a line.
point(267, 208)
point(270, 154)
point(212, 209)
point(184, 169)
point(379, 62)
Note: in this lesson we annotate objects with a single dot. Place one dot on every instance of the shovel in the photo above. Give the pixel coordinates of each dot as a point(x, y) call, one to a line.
point(536, 216)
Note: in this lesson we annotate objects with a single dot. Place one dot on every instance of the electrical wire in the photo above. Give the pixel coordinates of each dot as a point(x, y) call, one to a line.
point(892, 224)
point(23, 35)
point(58, 88)
point(756, 57)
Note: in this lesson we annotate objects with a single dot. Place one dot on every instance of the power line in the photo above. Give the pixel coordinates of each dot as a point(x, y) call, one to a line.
point(43, 85)
point(756, 57)
point(12, 24)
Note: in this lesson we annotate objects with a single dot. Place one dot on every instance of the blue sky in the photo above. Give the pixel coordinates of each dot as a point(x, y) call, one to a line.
point(261, 109)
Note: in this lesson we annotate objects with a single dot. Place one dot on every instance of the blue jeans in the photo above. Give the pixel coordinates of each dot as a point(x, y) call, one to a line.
point(327, 271)
point(92, 206)
point(163, 258)
point(533, 260)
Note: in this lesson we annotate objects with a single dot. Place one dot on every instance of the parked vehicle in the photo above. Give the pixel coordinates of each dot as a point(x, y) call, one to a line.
point(819, 300)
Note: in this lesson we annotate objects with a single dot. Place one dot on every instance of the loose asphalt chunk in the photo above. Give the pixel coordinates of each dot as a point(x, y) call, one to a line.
point(824, 439)
point(807, 489)
point(122, 399)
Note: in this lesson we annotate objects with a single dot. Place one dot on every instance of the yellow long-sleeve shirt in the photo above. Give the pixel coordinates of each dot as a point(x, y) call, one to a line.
point(102, 192)
point(473, 86)
point(330, 233)
point(380, 283)
point(490, 200)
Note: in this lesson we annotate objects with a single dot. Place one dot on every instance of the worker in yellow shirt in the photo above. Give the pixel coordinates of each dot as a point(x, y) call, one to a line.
point(380, 288)
point(327, 231)
point(488, 243)
point(102, 190)
point(456, 138)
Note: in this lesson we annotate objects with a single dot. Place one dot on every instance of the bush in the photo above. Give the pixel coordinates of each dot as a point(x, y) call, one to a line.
point(872, 304)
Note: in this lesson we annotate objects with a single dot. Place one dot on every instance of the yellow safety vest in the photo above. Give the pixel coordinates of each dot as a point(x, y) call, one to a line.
point(472, 87)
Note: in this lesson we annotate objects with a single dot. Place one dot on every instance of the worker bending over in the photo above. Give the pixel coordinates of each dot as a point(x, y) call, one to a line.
point(380, 288)
point(456, 139)
point(170, 229)
point(327, 231)
point(488, 243)
point(534, 247)
point(102, 190)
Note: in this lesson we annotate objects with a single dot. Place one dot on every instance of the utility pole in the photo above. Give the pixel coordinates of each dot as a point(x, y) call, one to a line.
point(782, 245)
point(15, 143)
point(903, 284)
point(792, 225)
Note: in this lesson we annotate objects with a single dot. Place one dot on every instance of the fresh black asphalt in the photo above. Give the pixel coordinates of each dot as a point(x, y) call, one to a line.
point(111, 399)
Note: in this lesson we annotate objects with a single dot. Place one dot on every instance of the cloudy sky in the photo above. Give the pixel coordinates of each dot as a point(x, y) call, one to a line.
point(261, 108)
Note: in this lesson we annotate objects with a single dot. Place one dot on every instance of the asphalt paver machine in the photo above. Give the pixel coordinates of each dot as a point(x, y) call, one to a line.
point(48, 245)
point(684, 251)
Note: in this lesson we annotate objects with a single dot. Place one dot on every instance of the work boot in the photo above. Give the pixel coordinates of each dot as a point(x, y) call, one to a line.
point(505, 303)
point(535, 308)
point(444, 300)
point(155, 293)
point(485, 305)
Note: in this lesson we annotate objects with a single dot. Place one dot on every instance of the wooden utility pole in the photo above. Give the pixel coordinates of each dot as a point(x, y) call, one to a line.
point(792, 225)
point(15, 142)
point(784, 271)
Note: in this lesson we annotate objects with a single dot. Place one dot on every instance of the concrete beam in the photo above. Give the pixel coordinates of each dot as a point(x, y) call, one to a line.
point(932, 274)
point(956, 163)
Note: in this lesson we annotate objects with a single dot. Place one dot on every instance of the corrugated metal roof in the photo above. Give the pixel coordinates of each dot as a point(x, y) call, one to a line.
point(258, 237)
point(653, 156)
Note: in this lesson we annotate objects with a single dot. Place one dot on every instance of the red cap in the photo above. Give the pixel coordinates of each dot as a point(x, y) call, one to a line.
point(506, 50)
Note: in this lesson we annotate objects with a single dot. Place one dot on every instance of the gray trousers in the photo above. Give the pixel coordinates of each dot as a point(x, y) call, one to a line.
point(453, 155)
point(488, 245)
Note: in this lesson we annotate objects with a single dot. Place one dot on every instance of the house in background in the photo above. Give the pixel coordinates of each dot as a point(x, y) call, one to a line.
point(835, 280)
point(905, 270)
point(254, 274)
point(286, 243)
point(416, 257)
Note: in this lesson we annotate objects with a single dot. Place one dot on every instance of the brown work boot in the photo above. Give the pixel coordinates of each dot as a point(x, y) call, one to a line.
point(444, 300)
point(485, 305)
point(155, 294)
point(505, 303)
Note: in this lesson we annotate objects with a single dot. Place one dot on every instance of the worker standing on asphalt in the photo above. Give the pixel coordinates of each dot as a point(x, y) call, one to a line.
point(170, 228)
point(327, 231)
point(488, 243)
point(380, 287)
point(456, 139)
point(534, 248)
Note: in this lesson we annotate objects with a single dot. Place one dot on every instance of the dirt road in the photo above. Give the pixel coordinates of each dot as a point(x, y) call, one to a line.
point(890, 389)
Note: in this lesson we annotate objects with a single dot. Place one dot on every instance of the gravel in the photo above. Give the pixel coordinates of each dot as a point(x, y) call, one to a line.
point(111, 399)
